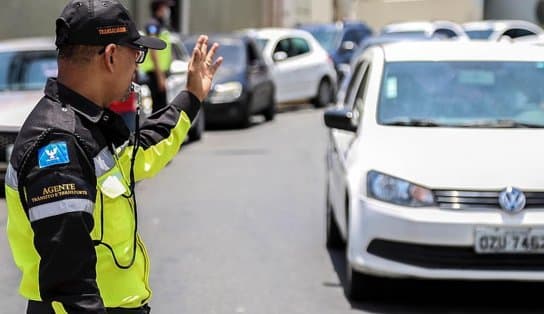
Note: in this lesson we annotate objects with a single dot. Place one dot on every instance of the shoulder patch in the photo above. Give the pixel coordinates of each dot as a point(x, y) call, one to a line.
point(53, 154)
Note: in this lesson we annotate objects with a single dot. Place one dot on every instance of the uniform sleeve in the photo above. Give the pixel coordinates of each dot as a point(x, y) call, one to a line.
point(60, 193)
point(161, 136)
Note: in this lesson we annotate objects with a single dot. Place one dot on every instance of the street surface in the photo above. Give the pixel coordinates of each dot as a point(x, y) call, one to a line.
point(235, 225)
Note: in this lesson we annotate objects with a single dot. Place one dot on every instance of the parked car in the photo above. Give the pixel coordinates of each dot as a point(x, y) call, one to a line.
point(434, 29)
point(301, 68)
point(432, 167)
point(243, 85)
point(340, 40)
point(24, 68)
point(494, 30)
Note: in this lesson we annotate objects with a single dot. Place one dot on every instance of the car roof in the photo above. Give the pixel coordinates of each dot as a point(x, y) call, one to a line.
point(427, 26)
point(225, 38)
point(28, 44)
point(280, 32)
point(497, 25)
point(460, 51)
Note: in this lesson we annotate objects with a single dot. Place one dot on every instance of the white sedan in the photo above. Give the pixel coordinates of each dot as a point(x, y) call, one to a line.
point(434, 164)
point(301, 68)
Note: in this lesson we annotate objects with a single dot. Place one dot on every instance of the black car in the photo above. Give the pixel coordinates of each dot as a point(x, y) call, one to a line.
point(243, 85)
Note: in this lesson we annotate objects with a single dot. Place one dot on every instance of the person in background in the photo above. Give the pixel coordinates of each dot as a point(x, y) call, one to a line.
point(158, 65)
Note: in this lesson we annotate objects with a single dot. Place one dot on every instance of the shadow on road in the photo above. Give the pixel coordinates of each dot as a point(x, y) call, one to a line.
point(424, 296)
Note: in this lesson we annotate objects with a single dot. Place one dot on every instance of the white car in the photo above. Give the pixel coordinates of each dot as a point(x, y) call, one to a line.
point(434, 165)
point(301, 68)
point(433, 29)
point(495, 30)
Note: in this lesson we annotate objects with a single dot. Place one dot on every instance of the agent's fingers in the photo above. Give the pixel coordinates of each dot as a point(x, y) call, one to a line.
point(216, 65)
point(197, 55)
point(212, 51)
point(203, 40)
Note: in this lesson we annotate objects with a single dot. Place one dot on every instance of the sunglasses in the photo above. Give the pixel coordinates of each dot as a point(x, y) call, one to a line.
point(142, 53)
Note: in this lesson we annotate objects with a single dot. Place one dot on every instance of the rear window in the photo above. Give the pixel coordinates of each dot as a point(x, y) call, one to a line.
point(27, 70)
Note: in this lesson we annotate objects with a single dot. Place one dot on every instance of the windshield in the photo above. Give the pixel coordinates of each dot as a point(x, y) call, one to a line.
point(481, 34)
point(329, 38)
point(463, 94)
point(234, 56)
point(261, 43)
point(414, 34)
point(27, 70)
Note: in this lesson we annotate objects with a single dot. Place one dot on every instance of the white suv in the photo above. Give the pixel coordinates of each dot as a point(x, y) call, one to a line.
point(435, 164)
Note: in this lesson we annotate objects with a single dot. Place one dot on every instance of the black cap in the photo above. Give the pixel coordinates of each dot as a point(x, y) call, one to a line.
point(100, 22)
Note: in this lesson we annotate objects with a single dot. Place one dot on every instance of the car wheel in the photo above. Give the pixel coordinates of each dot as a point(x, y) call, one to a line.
point(324, 94)
point(195, 134)
point(270, 111)
point(332, 232)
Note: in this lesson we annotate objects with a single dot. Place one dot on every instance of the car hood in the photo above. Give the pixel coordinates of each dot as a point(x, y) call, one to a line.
point(455, 158)
point(228, 74)
point(16, 106)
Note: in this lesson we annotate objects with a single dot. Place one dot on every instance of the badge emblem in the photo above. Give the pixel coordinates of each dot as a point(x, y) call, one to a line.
point(53, 154)
point(512, 200)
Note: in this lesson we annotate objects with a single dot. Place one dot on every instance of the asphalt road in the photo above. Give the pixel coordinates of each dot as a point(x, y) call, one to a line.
point(235, 225)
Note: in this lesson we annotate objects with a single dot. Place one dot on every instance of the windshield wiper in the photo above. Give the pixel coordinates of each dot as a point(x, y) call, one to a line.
point(501, 123)
point(413, 122)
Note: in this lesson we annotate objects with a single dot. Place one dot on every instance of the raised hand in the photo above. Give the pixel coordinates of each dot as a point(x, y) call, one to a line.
point(202, 68)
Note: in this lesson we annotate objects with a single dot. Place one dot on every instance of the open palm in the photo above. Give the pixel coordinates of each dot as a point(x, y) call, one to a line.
point(202, 68)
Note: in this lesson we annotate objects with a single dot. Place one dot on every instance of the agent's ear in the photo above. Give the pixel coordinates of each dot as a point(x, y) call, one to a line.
point(109, 56)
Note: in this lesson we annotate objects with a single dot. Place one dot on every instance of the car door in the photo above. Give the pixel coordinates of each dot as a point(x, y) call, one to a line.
point(341, 142)
point(258, 79)
point(293, 72)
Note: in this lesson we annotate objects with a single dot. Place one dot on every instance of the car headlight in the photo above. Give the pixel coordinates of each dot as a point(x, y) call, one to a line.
point(226, 92)
point(396, 191)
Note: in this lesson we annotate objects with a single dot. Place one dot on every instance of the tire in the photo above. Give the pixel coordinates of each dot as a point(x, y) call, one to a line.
point(324, 94)
point(195, 134)
point(270, 112)
point(333, 237)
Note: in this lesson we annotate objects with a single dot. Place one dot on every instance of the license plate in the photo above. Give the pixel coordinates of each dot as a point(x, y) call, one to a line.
point(497, 241)
point(9, 150)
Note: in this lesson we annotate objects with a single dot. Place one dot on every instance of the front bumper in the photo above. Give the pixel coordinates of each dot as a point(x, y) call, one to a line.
point(432, 243)
point(225, 112)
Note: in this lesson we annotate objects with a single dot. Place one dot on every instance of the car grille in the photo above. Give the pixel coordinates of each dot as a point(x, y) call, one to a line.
point(5, 140)
point(448, 199)
point(453, 257)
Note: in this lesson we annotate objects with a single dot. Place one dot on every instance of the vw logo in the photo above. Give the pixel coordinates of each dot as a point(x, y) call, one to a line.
point(512, 200)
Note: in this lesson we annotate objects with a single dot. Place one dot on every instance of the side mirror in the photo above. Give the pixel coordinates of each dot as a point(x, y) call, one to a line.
point(340, 118)
point(179, 67)
point(348, 46)
point(279, 56)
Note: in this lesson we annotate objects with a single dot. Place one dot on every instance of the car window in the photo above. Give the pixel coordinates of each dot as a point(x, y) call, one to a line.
point(253, 54)
point(444, 32)
point(518, 32)
point(261, 43)
point(479, 34)
point(462, 93)
point(358, 104)
point(179, 53)
point(299, 47)
point(328, 37)
point(283, 45)
point(27, 70)
point(355, 78)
